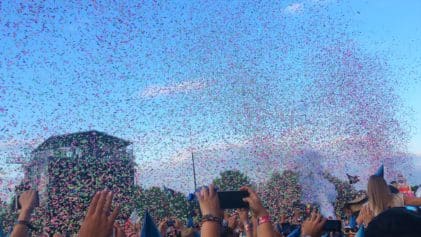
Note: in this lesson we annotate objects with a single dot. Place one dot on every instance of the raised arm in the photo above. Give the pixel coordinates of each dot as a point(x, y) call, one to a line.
point(412, 201)
point(212, 218)
point(28, 201)
point(244, 218)
point(264, 226)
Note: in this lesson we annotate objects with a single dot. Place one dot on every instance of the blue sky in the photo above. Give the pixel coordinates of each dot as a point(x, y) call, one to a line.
point(391, 27)
point(168, 75)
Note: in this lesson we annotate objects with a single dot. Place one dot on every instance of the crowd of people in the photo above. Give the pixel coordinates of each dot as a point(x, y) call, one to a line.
point(382, 207)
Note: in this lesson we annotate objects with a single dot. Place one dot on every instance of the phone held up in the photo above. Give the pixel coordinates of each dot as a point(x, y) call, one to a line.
point(232, 199)
point(332, 225)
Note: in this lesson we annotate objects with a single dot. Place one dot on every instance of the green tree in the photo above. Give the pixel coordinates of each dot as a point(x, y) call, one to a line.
point(161, 204)
point(281, 192)
point(231, 180)
point(3, 212)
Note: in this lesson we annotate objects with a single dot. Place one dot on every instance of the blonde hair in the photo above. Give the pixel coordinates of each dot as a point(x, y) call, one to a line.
point(379, 195)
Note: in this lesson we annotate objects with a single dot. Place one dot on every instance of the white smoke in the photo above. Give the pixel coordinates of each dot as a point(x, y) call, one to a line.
point(315, 187)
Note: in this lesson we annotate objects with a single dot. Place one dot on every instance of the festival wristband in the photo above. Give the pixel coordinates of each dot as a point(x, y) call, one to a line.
point(263, 219)
point(211, 218)
point(27, 224)
point(248, 226)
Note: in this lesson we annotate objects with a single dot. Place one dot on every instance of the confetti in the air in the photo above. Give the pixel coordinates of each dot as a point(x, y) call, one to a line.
point(236, 85)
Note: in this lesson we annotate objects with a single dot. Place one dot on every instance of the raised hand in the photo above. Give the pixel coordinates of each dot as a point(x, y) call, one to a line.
point(119, 232)
point(209, 205)
point(232, 221)
point(254, 202)
point(163, 226)
point(244, 215)
point(209, 201)
point(367, 214)
point(262, 228)
point(313, 226)
point(28, 200)
point(99, 221)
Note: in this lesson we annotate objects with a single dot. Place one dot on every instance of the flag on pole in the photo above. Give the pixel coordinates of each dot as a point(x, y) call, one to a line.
point(149, 228)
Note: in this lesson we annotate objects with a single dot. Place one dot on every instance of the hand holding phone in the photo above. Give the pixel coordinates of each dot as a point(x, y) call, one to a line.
point(28, 200)
point(208, 201)
point(232, 199)
point(313, 226)
point(332, 225)
point(253, 200)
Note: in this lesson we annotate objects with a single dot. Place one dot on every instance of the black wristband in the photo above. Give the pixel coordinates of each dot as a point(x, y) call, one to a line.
point(212, 218)
point(27, 224)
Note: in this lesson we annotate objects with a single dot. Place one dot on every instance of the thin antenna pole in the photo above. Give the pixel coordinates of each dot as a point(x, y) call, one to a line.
point(194, 172)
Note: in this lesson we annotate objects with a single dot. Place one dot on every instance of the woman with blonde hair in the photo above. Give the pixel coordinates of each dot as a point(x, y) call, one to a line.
point(380, 199)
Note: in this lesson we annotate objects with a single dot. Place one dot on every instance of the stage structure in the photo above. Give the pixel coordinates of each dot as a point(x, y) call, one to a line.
point(68, 169)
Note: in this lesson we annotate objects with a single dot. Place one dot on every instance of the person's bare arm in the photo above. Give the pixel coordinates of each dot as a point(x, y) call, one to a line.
point(254, 221)
point(27, 201)
point(209, 205)
point(244, 218)
point(163, 226)
point(412, 201)
point(264, 229)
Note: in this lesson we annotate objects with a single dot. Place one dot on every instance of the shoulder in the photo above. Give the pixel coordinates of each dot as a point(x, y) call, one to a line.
point(398, 196)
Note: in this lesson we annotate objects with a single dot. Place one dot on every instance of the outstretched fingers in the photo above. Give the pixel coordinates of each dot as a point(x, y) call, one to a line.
point(108, 201)
point(101, 202)
point(94, 202)
point(114, 214)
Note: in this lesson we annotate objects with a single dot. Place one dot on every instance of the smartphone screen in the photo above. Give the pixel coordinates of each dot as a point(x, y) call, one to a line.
point(232, 199)
point(17, 204)
point(332, 225)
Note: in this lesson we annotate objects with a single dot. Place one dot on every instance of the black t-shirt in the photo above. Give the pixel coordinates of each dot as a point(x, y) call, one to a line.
point(395, 222)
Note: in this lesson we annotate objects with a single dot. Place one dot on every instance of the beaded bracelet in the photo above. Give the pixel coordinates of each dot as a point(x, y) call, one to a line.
point(263, 219)
point(212, 218)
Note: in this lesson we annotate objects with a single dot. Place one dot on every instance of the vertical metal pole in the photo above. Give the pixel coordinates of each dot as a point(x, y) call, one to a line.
point(194, 172)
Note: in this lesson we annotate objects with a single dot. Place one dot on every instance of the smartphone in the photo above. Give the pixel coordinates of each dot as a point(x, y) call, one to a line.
point(232, 199)
point(17, 204)
point(332, 225)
